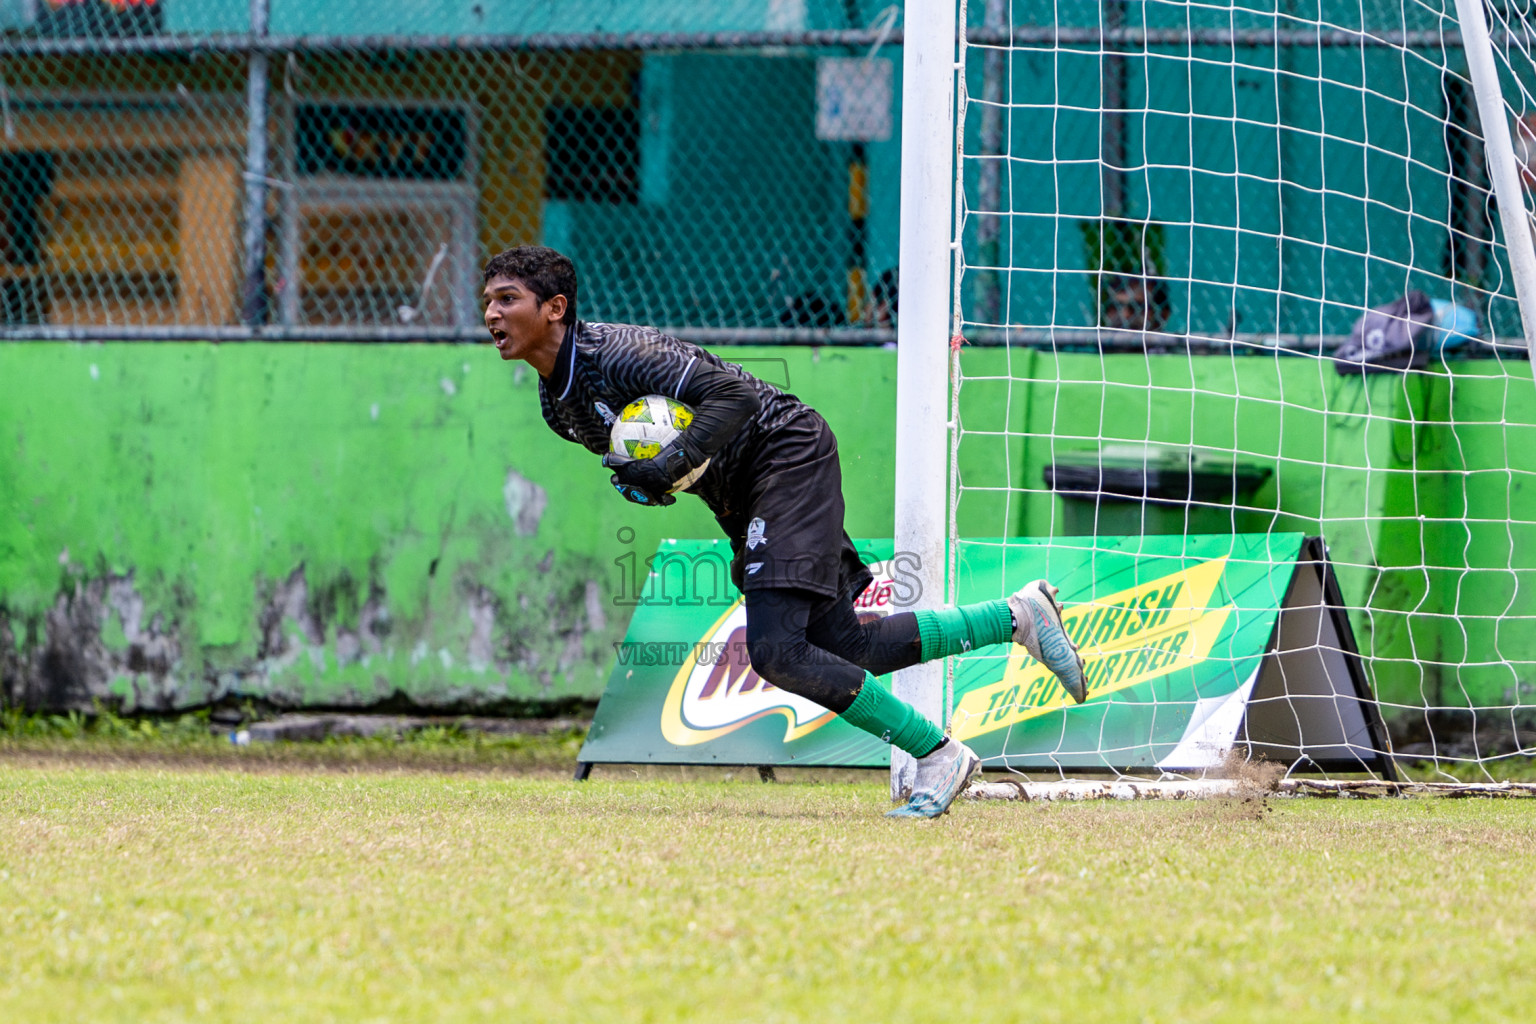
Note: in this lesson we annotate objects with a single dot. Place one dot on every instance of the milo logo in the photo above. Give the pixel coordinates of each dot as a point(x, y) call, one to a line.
point(717, 691)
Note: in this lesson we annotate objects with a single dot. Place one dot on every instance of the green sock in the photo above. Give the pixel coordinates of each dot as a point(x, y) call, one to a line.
point(880, 712)
point(947, 631)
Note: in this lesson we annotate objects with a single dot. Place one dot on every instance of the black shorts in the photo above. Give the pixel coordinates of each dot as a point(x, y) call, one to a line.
point(787, 530)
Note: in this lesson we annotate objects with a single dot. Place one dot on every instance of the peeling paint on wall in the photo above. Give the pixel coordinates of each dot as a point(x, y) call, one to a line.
point(483, 607)
point(525, 503)
point(92, 645)
point(96, 646)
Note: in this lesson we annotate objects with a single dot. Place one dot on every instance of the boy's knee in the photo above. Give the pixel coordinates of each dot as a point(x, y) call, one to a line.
point(857, 644)
point(767, 658)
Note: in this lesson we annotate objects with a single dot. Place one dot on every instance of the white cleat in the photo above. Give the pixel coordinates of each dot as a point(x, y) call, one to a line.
point(941, 776)
point(1038, 628)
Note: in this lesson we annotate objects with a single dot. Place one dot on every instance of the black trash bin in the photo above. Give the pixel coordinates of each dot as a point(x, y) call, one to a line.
point(1121, 490)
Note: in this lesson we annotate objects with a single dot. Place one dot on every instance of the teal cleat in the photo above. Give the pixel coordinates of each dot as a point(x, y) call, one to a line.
point(1037, 626)
point(941, 776)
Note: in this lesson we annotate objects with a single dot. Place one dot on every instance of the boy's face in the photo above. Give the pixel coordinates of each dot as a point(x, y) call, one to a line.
point(516, 318)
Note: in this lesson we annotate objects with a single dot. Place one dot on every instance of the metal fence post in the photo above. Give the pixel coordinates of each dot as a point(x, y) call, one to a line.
point(253, 310)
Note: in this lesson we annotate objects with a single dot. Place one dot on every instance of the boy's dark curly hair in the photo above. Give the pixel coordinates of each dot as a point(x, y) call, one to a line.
point(544, 271)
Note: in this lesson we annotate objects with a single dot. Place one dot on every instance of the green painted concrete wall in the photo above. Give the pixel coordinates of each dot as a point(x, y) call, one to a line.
point(349, 524)
point(332, 524)
point(1421, 484)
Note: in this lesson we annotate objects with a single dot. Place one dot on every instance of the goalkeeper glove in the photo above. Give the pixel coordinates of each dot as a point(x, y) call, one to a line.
point(649, 481)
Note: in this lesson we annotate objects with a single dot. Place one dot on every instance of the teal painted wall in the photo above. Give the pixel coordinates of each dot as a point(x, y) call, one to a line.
point(1344, 147)
point(745, 208)
point(519, 17)
point(739, 200)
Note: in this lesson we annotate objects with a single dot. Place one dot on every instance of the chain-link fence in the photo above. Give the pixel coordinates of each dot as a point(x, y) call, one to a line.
point(218, 169)
point(340, 169)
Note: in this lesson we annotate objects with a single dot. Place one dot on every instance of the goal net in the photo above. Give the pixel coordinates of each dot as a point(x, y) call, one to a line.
point(1172, 217)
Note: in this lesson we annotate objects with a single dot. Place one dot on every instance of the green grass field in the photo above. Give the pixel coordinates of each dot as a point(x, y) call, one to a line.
point(290, 893)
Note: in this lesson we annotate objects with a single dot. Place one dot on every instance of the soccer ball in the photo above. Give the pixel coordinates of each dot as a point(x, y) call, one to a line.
point(648, 424)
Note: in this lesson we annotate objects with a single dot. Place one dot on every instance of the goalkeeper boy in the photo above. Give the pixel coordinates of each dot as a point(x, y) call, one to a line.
point(770, 474)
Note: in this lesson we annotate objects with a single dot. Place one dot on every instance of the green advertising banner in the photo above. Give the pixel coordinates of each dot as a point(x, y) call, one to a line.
point(1191, 644)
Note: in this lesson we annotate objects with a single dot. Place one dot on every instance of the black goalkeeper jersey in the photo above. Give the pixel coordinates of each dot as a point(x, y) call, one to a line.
point(601, 368)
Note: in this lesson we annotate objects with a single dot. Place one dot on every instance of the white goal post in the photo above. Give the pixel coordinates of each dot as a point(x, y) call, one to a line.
point(1502, 166)
point(922, 338)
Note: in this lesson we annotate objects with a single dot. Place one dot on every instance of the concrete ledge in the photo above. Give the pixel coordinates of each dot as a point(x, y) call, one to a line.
point(312, 728)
